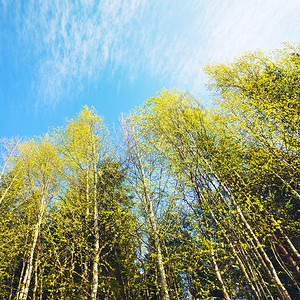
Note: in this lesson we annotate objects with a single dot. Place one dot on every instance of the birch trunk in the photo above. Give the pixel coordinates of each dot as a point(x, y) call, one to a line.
point(293, 248)
point(150, 212)
point(235, 253)
point(281, 288)
point(219, 277)
point(85, 272)
point(232, 248)
point(284, 293)
point(97, 239)
point(161, 269)
point(134, 156)
point(23, 292)
point(35, 276)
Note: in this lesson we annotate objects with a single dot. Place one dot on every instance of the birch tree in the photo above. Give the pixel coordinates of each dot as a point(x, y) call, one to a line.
point(40, 165)
point(183, 129)
point(95, 201)
point(144, 176)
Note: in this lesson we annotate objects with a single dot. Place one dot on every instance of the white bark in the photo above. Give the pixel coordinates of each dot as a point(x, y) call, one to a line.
point(219, 277)
point(95, 282)
point(281, 288)
point(150, 213)
point(134, 155)
point(23, 293)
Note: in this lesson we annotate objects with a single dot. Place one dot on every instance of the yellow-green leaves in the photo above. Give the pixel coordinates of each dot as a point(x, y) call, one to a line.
point(40, 161)
point(83, 136)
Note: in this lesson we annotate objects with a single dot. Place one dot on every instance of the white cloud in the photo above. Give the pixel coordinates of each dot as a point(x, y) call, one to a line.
point(74, 41)
point(222, 29)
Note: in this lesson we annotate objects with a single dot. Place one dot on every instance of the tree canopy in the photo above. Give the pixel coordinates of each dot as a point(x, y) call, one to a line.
point(188, 202)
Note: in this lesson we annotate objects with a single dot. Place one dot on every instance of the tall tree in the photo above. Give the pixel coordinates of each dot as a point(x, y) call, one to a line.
point(97, 200)
point(258, 96)
point(184, 133)
point(146, 179)
point(40, 165)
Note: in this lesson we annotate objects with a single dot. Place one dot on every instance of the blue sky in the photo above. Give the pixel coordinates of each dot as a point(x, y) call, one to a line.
point(58, 55)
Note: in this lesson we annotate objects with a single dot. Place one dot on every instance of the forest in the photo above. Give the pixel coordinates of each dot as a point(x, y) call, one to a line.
point(183, 202)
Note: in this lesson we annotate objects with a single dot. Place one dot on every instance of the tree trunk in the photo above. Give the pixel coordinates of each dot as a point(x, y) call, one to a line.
point(287, 255)
point(133, 152)
point(85, 272)
point(150, 212)
point(293, 248)
point(161, 269)
point(235, 253)
point(35, 276)
point(219, 277)
point(23, 292)
point(282, 290)
point(97, 239)
point(12, 280)
point(284, 293)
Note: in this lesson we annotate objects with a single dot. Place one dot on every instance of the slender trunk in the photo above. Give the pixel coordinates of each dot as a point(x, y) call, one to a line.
point(23, 268)
point(85, 272)
point(41, 290)
point(170, 272)
point(97, 239)
point(280, 262)
point(217, 271)
point(284, 293)
point(218, 274)
point(294, 250)
point(35, 276)
point(254, 246)
point(7, 159)
point(232, 248)
point(281, 247)
point(282, 290)
point(87, 192)
point(150, 212)
point(295, 193)
point(287, 255)
point(161, 269)
point(23, 292)
point(235, 253)
point(259, 282)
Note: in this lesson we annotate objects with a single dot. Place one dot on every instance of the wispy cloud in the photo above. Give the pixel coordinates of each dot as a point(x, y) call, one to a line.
point(74, 42)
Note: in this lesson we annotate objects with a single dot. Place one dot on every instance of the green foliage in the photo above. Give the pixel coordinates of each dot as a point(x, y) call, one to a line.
point(200, 204)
